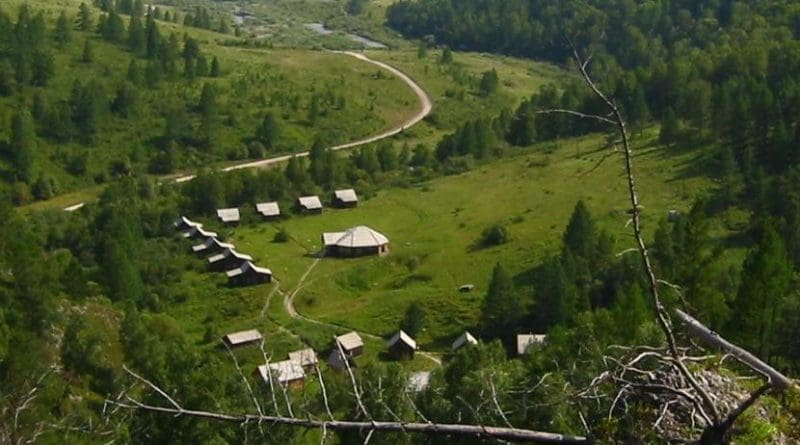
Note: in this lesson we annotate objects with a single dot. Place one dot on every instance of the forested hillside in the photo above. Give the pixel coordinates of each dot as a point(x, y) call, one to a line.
point(518, 228)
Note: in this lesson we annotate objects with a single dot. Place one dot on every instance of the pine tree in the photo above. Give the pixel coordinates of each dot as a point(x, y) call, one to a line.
point(766, 282)
point(87, 56)
point(137, 40)
point(208, 112)
point(268, 131)
point(63, 31)
point(670, 128)
point(413, 321)
point(22, 145)
point(581, 235)
point(501, 310)
point(214, 71)
point(489, 83)
point(85, 20)
point(133, 76)
point(446, 57)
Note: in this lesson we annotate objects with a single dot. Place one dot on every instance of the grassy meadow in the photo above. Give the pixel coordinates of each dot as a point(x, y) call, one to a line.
point(434, 228)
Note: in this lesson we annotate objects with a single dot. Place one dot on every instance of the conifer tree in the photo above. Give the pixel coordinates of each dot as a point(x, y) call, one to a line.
point(214, 71)
point(767, 281)
point(85, 20)
point(501, 310)
point(268, 131)
point(87, 56)
point(63, 31)
point(23, 143)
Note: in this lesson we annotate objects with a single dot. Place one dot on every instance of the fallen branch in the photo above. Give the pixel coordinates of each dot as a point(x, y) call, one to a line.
point(714, 340)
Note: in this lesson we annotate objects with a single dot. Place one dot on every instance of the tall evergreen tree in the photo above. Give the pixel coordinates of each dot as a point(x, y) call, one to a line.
point(766, 281)
point(501, 310)
point(63, 31)
point(268, 131)
point(85, 19)
point(23, 145)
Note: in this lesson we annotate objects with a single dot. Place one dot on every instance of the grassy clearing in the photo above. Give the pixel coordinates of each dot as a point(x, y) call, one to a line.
point(433, 230)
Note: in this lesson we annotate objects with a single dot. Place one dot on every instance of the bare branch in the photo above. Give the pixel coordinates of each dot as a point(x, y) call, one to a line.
point(154, 388)
point(576, 113)
point(244, 379)
point(356, 391)
point(501, 433)
point(324, 391)
point(712, 339)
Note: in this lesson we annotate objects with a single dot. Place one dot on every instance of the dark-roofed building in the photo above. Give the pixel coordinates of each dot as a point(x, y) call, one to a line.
point(306, 357)
point(248, 274)
point(401, 346)
point(351, 343)
point(287, 373)
point(229, 216)
point(357, 241)
point(345, 198)
point(466, 339)
point(309, 205)
point(211, 246)
point(228, 259)
point(339, 361)
point(268, 210)
point(525, 341)
point(198, 232)
point(242, 338)
point(185, 224)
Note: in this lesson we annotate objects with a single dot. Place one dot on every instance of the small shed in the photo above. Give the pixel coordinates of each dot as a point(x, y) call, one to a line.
point(418, 381)
point(228, 259)
point(229, 216)
point(525, 341)
point(242, 338)
point(286, 373)
point(351, 343)
point(356, 241)
point(185, 224)
point(466, 339)
point(211, 246)
point(401, 346)
point(268, 210)
point(306, 357)
point(309, 205)
point(340, 362)
point(198, 232)
point(345, 198)
point(249, 274)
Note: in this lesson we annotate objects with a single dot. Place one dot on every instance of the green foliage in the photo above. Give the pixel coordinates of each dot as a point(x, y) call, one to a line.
point(413, 321)
point(769, 278)
point(494, 235)
point(502, 309)
point(281, 236)
point(489, 83)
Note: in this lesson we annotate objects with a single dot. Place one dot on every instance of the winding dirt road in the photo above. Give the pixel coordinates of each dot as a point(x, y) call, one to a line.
point(425, 109)
point(426, 105)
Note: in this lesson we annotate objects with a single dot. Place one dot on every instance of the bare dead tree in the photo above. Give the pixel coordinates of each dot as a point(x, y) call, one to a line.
point(717, 429)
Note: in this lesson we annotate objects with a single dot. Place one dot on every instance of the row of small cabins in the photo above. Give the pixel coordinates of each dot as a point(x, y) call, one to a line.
point(223, 257)
point(310, 205)
point(345, 348)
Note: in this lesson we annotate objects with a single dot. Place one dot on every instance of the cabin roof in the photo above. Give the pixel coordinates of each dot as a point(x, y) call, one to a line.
point(402, 337)
point(346, 195)
point(359, 236)
point(268, 208)
point(238, 338)
point(310, 202)
point(228, 215)
point(350, 341)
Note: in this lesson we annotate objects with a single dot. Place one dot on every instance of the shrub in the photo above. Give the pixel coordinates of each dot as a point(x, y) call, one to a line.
point(494, 235)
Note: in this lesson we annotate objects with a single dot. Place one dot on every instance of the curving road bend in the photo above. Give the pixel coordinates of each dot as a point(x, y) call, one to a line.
point(425, 109)
point(426, 105)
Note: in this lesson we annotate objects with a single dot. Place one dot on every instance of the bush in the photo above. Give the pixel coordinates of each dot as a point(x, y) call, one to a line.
point(494, 235)
point(281, 236)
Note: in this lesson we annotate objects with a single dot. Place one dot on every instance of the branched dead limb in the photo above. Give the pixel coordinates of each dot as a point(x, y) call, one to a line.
point(508, 434)
point(717, 429)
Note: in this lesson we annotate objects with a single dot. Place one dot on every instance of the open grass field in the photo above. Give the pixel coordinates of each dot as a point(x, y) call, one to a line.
point(433, 228)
